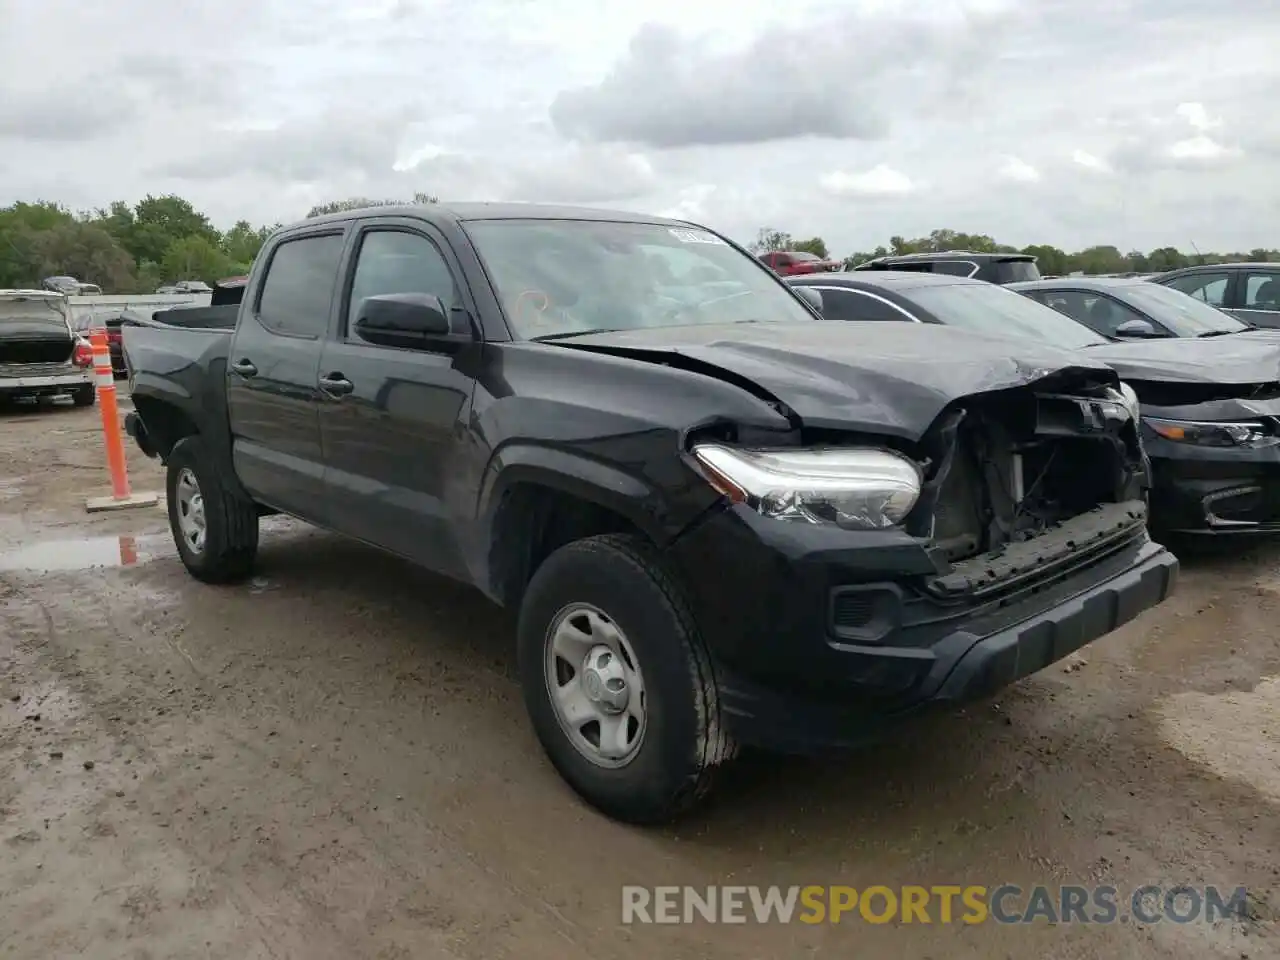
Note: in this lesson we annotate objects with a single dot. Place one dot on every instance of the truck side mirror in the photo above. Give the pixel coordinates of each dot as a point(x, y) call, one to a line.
point(401, 319)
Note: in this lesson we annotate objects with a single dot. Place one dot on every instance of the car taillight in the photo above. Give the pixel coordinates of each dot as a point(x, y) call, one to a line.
point(83, 355)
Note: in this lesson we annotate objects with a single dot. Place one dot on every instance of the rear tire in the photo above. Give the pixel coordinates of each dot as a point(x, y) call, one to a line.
point(214, 528)
point(664, 766)
point(84, 396)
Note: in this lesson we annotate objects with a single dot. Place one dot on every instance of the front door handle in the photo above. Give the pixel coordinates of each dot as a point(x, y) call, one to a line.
point(336, 385)
point(245, 368)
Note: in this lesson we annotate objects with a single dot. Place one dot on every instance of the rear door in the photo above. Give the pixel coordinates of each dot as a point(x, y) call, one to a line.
point(393, 420)
point(273, 399)
point(1258, 296)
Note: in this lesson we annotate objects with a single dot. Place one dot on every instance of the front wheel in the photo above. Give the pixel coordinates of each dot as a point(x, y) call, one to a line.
point(617, 681)
point(215, 529)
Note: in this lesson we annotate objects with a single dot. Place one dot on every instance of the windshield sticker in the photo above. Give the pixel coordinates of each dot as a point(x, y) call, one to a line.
point(695, 236)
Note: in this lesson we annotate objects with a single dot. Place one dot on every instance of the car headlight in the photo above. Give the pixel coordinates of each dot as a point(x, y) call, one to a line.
point(1130, 400)
point(853, 486)
point(1245, 433)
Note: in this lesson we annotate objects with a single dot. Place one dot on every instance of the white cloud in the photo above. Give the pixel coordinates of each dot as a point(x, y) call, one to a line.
point(1018, 170)
point(1199, 149)
point(1090, 161)
point(649, 105)
point(880, 181)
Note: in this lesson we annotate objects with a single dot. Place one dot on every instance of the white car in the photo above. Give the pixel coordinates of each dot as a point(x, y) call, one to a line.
point(40, 355)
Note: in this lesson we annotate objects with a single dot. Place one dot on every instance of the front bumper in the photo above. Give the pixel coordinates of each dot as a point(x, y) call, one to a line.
point(793, 676)
point(1214, 490)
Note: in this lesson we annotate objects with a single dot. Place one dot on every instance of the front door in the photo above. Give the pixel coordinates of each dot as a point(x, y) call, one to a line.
point(393, 432)
point(272, 398)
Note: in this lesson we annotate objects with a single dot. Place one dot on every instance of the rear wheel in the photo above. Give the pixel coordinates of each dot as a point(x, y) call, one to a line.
point(84, 396)
point(215, 529)
point(617, 681)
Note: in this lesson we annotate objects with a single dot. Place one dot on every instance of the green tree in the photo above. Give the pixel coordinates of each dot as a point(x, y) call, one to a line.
point(770, 240)
point(84, 251)
point(815, 245)
point(194, 258)
point(243, 241)
point(159, 221)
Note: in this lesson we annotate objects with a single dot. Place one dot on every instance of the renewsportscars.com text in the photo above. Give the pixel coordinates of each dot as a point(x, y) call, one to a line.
point(936, 904)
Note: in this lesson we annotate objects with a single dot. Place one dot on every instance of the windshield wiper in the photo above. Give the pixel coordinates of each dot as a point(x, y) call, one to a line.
point(1217, 333)
point(573, 333)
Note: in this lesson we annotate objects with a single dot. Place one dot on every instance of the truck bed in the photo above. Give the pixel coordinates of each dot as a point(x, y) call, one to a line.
point(185, 366)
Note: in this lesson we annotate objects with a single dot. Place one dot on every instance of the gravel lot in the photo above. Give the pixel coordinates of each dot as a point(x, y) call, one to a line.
point(332, 761)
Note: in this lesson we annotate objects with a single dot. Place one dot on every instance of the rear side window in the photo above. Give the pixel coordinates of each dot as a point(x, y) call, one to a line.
point(298, 289)
point(1016, 271)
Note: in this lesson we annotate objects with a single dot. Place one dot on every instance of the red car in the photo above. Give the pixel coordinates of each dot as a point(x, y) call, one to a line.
point(789, 263)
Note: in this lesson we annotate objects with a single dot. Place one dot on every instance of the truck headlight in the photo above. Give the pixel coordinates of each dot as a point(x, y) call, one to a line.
point(859, 487)
point(1244, 433)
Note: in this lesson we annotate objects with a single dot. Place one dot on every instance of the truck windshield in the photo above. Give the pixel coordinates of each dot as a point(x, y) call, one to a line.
point(560, 278)
point(999, 312)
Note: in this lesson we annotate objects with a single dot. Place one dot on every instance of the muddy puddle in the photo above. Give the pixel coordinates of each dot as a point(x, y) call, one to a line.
point(120, 550)
point(85, 553)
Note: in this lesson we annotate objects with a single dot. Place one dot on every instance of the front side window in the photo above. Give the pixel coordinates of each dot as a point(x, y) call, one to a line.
point(298, 289)
point(1185, 316)
point(393, 261)
point(856, 305)
point(999, 312)
point(559, 278)
point(1208, 287)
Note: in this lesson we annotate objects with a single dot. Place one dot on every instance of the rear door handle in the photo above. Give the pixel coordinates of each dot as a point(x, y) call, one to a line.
point(336, 385)
point(245, 368)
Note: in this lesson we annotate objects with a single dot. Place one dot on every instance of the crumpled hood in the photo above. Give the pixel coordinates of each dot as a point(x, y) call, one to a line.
point(890, 378)
point(1249, 357)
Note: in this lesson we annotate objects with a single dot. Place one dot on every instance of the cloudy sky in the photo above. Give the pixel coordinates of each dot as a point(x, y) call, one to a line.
point(1136, 122)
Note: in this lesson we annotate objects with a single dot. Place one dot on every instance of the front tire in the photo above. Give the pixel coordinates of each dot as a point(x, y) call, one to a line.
point(617, 681)
point(215, 529)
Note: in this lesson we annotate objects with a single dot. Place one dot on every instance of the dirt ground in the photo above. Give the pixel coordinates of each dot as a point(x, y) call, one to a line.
point(332, 761)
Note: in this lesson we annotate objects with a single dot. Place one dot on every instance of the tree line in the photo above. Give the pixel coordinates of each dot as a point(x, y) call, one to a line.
point(1051, 260)
point(136, 248)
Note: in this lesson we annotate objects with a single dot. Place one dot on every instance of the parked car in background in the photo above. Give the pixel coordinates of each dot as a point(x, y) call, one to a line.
point(991, 267)
point(1210, 408)
point(722, 519)
point(1247, 291)
point(71, 287)
point(185, 286)
point(789, 263)
point(1124, 309)
point(40, 355)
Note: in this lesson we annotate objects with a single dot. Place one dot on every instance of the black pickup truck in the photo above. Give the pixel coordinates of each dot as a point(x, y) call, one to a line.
point(723, 519)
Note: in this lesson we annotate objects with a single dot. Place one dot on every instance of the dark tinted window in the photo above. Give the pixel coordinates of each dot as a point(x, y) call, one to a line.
point(955, 268)
point(853, 305)
point(397, 262)
point(1016, 271)
point(298, 288)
